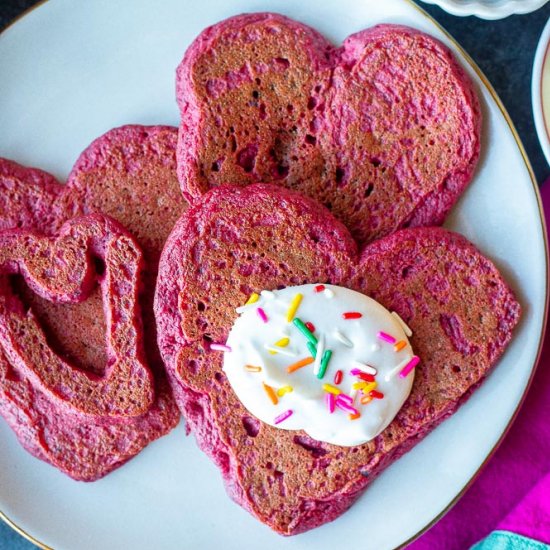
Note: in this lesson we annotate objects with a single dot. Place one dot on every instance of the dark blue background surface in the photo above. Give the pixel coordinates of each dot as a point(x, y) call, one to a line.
point(503, 49)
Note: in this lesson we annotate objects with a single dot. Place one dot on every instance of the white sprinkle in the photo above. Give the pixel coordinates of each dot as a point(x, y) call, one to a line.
point(375, 346)
point(219, 347)
point(319, 354)
point(404, 325)
point(267, 294)
point(344, 339)
point(282, 351)
point(396, 369)
point(329, 293)
point(364, 367)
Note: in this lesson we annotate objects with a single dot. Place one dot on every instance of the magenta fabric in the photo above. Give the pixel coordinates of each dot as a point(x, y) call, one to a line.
point(513, 491)
point(531, 517)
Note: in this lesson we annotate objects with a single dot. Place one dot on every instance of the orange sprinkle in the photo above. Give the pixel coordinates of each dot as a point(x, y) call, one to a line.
point(365, 400)
point(299, 364)
point(354, 416)
point(271, 393)
point(252, 368)
point(400, 345)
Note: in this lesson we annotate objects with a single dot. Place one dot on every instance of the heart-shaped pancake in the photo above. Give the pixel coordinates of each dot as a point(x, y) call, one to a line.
point(129, 175)
point(384, 130)
point(263, 237)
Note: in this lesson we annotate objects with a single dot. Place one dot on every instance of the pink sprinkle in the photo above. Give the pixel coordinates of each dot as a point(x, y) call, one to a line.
point(409, 366)
point(219, 347)
point(283, 416)
point(344, 397)
point(346, 407)
point(386, 337)
point(262, 314)
point(330, 400)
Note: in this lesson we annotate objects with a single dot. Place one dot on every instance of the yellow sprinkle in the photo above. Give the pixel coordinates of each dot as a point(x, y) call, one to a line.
point(400, 345)
point(331, 389)
point(254, 297)
point(369, 387)
point(272, 352)
point(271, 393)
point(294, 305)
point(359, 385)
point(283, 390)
point(282, 343)
point(354, 416)
point(252, 368)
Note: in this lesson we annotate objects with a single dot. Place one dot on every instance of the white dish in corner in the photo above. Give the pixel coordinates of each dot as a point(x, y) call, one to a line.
point(73, 70)
point(488, 9)
point(540, 91)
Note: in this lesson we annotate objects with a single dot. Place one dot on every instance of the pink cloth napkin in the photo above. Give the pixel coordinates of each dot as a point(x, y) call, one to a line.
point(513, 491)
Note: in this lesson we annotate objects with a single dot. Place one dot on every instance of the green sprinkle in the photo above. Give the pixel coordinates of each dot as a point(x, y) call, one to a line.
point(298, 323)
point(324, 363)
point(312, 349)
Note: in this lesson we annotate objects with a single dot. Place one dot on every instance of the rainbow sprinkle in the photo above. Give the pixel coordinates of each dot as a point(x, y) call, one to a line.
point(330, 400)
point(338, 377)
point(312, 349)
point(409, 366)
point(252, 368)
point(324, 364)
point(399, 346)
point(345, 397)
point(283, 416)
point(319, 288)
point(299, 364)
point(352, 315)
point(261, 314)
point(293, 307)
point(366, 399)
point(376, 394)
point(386, 337)
point(282, 351)
point(310, 327)
point(365, 376)
point(300, 325)
point(283, 342)
point(284, 390)
point(331, 389)
point(354, 416)
point(363, 367)
point(271, 393)
point(346, 406)
point(404, 326)
point(220, 347)
point(254, 297)
point(319, 354)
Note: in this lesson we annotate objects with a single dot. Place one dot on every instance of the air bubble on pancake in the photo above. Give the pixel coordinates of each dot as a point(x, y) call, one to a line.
point(246, 157)
point(251, 425)
point(311, 445)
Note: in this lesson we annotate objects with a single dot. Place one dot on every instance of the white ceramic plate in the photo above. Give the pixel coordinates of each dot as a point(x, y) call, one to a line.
point(540, 88)
point(488, 9)
point(72, 70)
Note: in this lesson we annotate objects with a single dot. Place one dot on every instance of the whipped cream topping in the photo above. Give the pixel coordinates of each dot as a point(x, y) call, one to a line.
point(361, 374)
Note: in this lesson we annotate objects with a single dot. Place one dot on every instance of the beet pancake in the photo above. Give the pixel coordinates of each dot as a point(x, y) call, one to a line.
point(384, 131)
point(239, 240)
point(128, 174)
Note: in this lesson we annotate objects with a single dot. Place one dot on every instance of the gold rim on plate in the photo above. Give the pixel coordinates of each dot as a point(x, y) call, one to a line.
point(515, 134)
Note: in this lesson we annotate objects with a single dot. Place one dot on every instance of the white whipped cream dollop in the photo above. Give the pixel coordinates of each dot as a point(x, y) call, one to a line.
point(369, 373)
